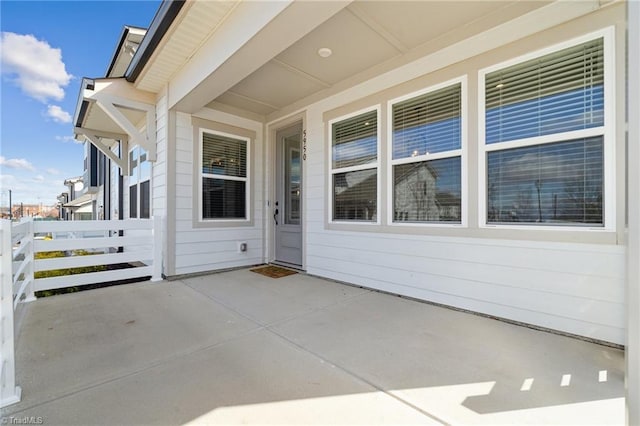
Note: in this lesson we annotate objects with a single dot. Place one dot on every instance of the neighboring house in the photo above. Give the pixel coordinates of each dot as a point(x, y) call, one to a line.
point(104, 185)
point(78, 203)
point(89, 197)
point(63, 212)
point(472, 156)
point(414, 193)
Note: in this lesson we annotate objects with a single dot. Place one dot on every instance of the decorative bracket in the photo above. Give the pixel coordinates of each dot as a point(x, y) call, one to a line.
point(97, 138)
point(146, 138)
point(110, 100)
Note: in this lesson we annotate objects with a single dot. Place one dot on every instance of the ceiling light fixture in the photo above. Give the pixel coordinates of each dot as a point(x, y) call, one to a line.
point(324, 52)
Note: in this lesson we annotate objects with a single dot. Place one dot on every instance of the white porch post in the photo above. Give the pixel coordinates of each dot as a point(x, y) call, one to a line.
point(633, 249)
point(9, 392)
point(157, 249)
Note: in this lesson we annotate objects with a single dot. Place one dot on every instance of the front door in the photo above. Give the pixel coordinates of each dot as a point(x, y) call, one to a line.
point(287, 211)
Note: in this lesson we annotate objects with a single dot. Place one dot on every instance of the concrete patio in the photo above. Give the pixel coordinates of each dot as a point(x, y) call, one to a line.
point(238, 347)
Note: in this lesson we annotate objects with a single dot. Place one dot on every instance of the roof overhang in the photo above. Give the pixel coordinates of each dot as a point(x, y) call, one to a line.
point(126, 49)
point(111, 110)
point(80, 201)
point(161, 23)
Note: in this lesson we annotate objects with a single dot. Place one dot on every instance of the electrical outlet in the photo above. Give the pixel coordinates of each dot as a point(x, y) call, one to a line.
point(242, 246)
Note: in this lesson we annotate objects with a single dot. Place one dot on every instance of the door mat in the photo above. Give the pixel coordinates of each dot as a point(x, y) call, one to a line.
point(273, 271)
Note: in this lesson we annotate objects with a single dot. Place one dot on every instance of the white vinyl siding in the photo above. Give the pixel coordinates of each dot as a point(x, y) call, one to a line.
point(576, 288)
point(569, 279)
point(354, 167)
point(545, 138)
point(202, 246)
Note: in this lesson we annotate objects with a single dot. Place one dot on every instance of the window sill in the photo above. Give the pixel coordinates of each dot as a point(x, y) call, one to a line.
point(222, 223)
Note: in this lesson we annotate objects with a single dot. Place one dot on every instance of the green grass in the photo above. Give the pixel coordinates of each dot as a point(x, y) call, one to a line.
point(64, 271)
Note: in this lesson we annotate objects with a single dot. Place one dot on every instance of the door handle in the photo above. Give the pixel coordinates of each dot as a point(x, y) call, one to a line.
point(275, 217)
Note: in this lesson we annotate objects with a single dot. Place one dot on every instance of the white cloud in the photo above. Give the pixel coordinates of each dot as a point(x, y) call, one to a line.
point(54, 172)
point(39, 179)
point(58, 114)
point(16, 163)
point(37, 67)
point(69, 139)
point(30, 190)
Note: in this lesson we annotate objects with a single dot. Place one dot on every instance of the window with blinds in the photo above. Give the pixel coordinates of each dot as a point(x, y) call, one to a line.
point(427, 124)
point(551, 112)
point(556, 183)
point(355, 141)
point(426, 160)
point(556, 93)
point(224, 176)
point(354, 171)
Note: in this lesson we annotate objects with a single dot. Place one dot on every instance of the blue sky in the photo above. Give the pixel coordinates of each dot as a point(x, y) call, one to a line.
point(47, 47)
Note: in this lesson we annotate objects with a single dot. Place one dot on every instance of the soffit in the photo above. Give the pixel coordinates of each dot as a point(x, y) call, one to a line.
point(363, 35)
point(126, 51)
point(95, 118)
point(197, 21)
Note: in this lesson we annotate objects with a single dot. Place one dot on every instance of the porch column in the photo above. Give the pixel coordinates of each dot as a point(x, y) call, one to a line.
point(632, 353)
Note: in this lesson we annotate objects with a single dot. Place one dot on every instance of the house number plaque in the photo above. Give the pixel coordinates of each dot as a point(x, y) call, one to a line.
point(304, 145)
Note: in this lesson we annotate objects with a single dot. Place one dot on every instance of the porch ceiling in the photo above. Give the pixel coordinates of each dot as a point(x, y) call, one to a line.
point(362, 36)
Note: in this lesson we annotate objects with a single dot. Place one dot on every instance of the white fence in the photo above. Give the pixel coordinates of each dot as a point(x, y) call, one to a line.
point(9, 392)
point(119, 249)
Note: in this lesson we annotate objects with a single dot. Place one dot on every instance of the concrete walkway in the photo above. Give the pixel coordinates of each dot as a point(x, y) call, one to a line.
point(238, 347)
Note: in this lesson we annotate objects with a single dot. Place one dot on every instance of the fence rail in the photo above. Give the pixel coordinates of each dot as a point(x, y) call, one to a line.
point(115, 250)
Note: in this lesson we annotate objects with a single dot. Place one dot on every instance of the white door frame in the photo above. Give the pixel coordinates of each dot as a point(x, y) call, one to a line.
point(632, 352)
point(271, 182)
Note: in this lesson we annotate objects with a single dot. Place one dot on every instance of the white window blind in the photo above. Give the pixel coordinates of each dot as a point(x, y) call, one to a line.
point(355, 140)
point(558, 179)
point(224, 156)
point(427, 124)
point(427, 154)
point(558, 92)
point(224, 177)
point(355, 168)
point(556, 183)
point(355, 195)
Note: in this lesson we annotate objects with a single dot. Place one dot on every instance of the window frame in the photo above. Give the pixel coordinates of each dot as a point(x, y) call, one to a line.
point(368, 166)
point(607, 131)
point(461, 152)
point(201, 175)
